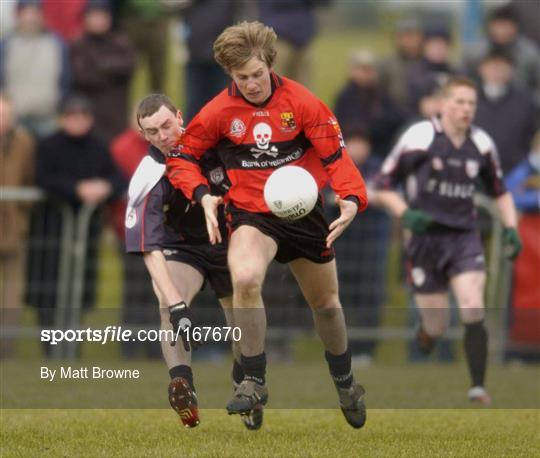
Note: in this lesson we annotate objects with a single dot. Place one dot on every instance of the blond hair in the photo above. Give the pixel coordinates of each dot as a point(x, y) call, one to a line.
point(456, 81)
point(237, 44)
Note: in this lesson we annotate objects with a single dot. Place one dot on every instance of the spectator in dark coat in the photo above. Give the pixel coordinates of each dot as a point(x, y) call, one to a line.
point(363, 103)
point(433, 70)
point(73, 166)
point(503, 36)
point(506, 112)
point(103, 62)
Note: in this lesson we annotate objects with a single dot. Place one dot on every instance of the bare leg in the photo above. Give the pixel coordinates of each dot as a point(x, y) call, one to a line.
point(434, 313)
point(188, 281)
point(468, 288)
point(227, 306)
point(250, 253)
point(319, 286)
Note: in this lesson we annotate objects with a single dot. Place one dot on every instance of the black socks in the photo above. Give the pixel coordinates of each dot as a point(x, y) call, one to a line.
point(237, 372)
point(476, 351)
point(184, 372)
point(254, 368)
point(340, 368)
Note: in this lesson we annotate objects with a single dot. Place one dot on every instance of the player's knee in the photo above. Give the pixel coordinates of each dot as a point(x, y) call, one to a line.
point(326, 307)
point(435, 329)
point(470, 302)
point(247, 284)
point(326, 298)
point(472, 315)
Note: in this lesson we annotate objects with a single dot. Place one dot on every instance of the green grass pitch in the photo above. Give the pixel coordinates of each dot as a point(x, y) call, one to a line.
point(503, 430)
point(156, 433)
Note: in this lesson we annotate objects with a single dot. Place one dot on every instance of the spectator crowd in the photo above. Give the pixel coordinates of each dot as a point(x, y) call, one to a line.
point(66, 70)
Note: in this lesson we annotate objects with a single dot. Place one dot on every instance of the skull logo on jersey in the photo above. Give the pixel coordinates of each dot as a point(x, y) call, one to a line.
point(262, 133)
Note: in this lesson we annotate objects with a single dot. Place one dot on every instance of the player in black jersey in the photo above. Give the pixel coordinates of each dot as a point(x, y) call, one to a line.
point(439, 163)
point(170, 232)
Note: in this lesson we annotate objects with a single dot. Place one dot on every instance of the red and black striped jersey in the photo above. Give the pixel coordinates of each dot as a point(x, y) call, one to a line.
point(292, 128)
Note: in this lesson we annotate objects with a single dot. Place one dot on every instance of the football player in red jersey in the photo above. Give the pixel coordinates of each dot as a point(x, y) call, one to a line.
point(260, 123)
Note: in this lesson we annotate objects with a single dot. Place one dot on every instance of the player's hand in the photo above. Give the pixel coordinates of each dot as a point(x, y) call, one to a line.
point(181, 318)
point(348, 212)
point(210, 205)
point(417, 221)
point(512, 243)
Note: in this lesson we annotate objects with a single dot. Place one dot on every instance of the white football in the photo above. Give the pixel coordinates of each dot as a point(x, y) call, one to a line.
point(290, 192)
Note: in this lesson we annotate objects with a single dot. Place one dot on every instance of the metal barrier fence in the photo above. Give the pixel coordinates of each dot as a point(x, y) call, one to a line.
point(288, 316)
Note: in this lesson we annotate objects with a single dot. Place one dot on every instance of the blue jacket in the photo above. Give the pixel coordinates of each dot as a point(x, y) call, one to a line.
point(523, 182)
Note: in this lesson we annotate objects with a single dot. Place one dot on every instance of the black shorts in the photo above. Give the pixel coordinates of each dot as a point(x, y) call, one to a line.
point(304, 238)
point(439, 255)
point(209, 260)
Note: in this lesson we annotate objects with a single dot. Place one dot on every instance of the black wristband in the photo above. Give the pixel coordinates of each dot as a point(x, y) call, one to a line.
point(354, 199)
point(199, 192)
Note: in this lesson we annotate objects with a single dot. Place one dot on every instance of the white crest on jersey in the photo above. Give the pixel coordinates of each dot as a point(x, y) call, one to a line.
point(148, 173)
point(131, 217)
point(418, 276)
point(471, 168)
point(238, 128)
point(262, 133)
point(217, 175)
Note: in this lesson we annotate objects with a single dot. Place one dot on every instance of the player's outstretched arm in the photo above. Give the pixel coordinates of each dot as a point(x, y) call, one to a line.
point(507, 210)
point(508, 213)
point(390, 200)
point(348, 210)
point(210, 205)
point(416, 221)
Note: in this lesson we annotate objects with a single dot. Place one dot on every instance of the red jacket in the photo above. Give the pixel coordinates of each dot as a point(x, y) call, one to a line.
point(292, 128)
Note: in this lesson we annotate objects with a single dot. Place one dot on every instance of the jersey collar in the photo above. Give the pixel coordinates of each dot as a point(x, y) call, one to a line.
point(437, 124)
point(275, 81)
point(156, 154)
